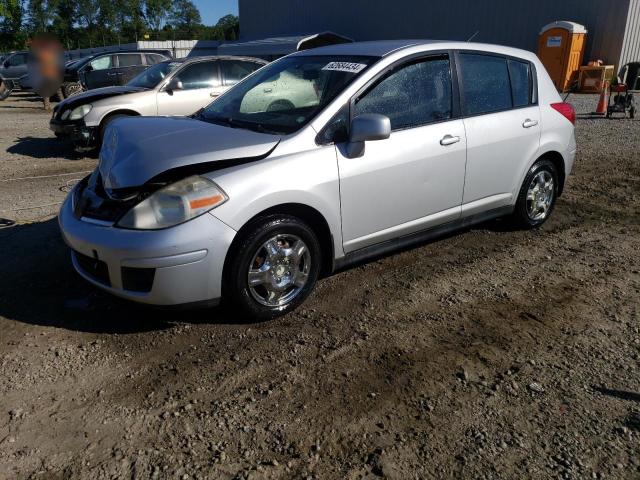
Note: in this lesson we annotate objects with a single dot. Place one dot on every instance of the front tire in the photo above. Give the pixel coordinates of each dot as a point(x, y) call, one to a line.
point(272, 268)
point(538, 195)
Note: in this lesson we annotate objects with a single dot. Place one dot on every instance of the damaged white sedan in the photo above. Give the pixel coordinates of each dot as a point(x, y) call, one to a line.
point(372, 147)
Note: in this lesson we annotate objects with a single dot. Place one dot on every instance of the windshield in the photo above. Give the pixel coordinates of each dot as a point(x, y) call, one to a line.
point(152, 76)
point(285, 95)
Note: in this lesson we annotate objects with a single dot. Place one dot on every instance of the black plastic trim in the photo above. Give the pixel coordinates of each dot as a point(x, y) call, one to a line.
point(413, 239)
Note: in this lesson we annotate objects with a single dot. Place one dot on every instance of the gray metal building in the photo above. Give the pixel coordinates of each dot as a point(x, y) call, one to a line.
point(613, 25)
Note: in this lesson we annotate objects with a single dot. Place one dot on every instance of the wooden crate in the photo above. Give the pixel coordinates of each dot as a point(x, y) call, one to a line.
point(591, 79)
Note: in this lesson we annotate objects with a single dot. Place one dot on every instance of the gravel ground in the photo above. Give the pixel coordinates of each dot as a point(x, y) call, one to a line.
point(490, 354)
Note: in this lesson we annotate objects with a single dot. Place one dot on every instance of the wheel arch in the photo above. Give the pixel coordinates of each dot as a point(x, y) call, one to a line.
point(309, 215)
point(558, 161)
point(119, 111)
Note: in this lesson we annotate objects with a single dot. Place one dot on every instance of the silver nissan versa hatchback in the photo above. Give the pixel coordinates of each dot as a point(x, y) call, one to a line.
point(370, 147)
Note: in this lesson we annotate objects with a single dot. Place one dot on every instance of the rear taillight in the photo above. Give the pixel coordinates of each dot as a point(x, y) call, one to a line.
point(566, 110)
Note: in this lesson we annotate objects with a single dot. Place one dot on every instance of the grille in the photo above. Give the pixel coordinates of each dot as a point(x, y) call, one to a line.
point(94, 268)
point(138, 279)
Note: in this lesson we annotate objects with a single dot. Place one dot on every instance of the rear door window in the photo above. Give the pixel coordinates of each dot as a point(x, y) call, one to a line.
point(235, 70)
point(485, 83)
point(412, 95)
point(129, 60)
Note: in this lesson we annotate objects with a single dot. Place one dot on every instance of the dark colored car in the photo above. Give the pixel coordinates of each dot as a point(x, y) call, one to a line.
point(13, 66)
point(108, 69)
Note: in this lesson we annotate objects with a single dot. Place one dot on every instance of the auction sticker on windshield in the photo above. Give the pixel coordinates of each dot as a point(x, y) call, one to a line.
point(344, 67)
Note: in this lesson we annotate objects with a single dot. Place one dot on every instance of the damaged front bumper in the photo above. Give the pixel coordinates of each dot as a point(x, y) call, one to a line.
point(173, 266)
point(79, 133)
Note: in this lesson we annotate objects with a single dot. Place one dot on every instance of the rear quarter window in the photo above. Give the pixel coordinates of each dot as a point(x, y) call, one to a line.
point(153, 58)
point(520, 82)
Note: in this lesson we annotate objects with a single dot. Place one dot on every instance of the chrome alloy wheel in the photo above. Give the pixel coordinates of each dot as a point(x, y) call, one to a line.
point(540, 195)
point(279, 270)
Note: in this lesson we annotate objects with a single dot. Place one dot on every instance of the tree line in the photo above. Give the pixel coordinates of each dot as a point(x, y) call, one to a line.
point(93, 23)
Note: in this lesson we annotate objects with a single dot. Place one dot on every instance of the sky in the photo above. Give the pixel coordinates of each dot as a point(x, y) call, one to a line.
point(212, 10)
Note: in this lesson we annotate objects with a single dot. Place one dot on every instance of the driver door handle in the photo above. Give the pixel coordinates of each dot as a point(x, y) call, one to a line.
point(449, 140)
point(528, 123)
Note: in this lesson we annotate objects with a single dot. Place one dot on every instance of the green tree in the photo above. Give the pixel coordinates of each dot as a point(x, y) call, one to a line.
point(229, 26)
point(185, 17)
point(64, 22)
point(12, 36)
point(107, 20)
point(157, 11)
point(40, 15)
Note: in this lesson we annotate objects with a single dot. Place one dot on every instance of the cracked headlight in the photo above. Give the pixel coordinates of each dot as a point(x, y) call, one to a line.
point(80, 112)
point(174, 204)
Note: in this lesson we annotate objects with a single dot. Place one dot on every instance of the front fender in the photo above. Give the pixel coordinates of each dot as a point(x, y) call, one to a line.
point(309, 178)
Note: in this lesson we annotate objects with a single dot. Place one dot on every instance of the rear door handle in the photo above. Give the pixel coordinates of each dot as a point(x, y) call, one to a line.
point(214, 94)
point(449, 140)
point(528, 123)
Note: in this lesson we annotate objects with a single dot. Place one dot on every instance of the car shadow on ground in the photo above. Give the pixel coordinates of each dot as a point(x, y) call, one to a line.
point(25, 95)
point(38, 286)
point(37, 147)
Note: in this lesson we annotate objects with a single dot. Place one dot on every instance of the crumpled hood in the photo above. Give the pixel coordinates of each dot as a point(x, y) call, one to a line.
point(138, 149)
point(95, 95)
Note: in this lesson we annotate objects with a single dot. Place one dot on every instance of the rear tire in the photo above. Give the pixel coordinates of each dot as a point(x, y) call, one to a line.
point(71, 88)
point(6, 87)
point(272, 268)
point(538, 194)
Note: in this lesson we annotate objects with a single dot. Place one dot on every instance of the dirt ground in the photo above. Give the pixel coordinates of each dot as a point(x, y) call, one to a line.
point(490, 354)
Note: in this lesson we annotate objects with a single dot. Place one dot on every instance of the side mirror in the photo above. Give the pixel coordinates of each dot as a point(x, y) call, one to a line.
point(364, 128)
point(174, 84)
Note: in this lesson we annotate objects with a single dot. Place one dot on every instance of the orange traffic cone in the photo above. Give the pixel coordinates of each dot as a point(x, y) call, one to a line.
point(603, 102)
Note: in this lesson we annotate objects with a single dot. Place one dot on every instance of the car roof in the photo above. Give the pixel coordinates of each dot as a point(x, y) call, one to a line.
point(382, 48)
point(218, 57)
point(376, 48)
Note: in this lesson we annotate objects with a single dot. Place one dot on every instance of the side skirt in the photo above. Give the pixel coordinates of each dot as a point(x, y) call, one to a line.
point(423, 236)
